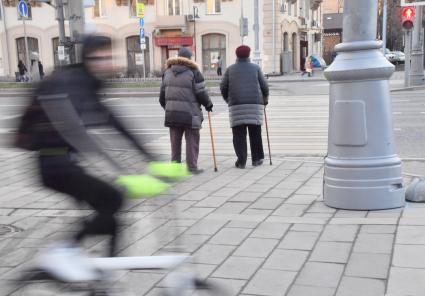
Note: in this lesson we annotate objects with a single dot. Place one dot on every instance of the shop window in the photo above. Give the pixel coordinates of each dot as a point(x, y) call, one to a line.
point(136, 57)
point(213, 46)
point(69, 53)
point(20, 48)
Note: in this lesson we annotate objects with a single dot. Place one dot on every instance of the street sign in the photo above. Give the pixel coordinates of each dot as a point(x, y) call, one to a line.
point(61, 53)
point(243, 26)
point(23, 9)
point(143, 46)
point(412, 2)
point(139, 59)
point(142, 22)
point(140, 9)
point(142, 32)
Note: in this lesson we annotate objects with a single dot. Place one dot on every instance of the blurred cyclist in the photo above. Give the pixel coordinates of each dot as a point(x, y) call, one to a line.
point(66, 105)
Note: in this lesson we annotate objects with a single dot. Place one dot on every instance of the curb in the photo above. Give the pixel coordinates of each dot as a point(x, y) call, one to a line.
point(102, 95)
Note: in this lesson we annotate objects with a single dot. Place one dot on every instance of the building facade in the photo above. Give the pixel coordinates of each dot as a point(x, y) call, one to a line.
point(211, 28)
point(332, 27)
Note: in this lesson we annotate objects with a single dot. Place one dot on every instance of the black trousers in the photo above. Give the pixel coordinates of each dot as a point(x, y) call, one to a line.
point(61, 174)
point(255, 140)
point(192, 137)
point(219, 73)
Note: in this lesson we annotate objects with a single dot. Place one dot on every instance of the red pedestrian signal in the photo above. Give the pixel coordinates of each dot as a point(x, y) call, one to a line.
point(408, 16)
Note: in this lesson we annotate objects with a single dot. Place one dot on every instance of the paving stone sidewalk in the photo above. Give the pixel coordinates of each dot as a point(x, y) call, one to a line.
point(258, 231)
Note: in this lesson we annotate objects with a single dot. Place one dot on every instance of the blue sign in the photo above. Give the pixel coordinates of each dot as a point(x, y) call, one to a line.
point(142, 33)
point(142, 22)
point(23, 9)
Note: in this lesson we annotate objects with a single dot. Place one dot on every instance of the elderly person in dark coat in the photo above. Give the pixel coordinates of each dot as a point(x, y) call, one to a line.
point(182, 94)
point(245, 90)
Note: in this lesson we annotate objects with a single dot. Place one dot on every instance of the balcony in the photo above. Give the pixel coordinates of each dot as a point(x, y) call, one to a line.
point(170, 21)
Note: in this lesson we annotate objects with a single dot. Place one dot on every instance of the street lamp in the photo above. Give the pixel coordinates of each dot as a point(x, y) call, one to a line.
point(195, 16)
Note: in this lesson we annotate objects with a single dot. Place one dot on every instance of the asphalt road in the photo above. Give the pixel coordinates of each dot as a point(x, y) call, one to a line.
point(298, 120)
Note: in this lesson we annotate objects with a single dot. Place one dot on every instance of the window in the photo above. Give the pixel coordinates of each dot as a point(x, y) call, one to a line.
point(289, 8)
point(29, 13)
point(174, 7)
point(100, 8)
point(69, 52)
point(133, 8)
point(213, 6)
point(136, 58)
point(20, 48)
point(213, 46)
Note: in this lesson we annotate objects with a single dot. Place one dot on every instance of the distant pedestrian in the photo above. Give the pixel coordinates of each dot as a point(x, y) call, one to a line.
point(22, 69)
point(40, 70)
point(246, 92)
point(219, 66)
point(182, 94)
point(308, 67)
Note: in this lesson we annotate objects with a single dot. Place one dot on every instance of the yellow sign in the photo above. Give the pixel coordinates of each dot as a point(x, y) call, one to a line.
point(140, 9)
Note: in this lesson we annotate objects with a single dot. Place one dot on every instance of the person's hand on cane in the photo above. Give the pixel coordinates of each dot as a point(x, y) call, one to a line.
point(266, 101)
point(209, 108)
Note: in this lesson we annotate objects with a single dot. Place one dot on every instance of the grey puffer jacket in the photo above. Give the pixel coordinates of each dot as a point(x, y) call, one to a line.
point(182, 94)
point(245, 90)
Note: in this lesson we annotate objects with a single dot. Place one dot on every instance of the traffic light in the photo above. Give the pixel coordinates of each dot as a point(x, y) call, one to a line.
point(408, 16)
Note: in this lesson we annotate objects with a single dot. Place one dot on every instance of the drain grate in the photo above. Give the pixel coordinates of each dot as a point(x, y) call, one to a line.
point(5, 229)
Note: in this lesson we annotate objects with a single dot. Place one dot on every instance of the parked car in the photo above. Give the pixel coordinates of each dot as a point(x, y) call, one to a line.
point(400, 57)
point(390, 55)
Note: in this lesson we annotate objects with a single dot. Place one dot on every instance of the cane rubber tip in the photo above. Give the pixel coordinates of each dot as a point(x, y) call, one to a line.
point(215, 170)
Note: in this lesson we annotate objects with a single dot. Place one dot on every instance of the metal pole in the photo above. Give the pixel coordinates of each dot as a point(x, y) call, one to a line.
point(194, 28)
point(76, 26)
point(417, 54)
point(144, 64)
point(6, 32)
point(408, 59)
point(362, 169)
point(257, 55)
point(27, 50)
point(274, 35)
point(384, 26)
point(241, 22)
point(61, 20)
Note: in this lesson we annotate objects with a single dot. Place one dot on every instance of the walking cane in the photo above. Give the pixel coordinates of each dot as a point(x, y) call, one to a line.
point(267, 131)
point(212, 142)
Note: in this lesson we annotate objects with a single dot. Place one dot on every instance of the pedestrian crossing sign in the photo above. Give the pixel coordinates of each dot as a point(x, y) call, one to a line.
point(140, 9)
point(412, 2)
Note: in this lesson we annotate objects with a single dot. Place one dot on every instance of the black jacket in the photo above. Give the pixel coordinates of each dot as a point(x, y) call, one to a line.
point(75, 84)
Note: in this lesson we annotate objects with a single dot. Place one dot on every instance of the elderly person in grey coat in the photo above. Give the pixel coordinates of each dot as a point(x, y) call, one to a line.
point(182, 94)
point(246, 92)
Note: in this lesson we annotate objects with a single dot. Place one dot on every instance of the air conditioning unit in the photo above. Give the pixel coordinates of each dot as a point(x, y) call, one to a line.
point(190, 18)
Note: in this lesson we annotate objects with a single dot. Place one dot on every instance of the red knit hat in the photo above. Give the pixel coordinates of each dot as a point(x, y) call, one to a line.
point(243, 52)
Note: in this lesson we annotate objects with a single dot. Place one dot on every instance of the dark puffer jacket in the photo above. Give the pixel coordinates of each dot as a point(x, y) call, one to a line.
point(182, 94)
point(245, 90)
